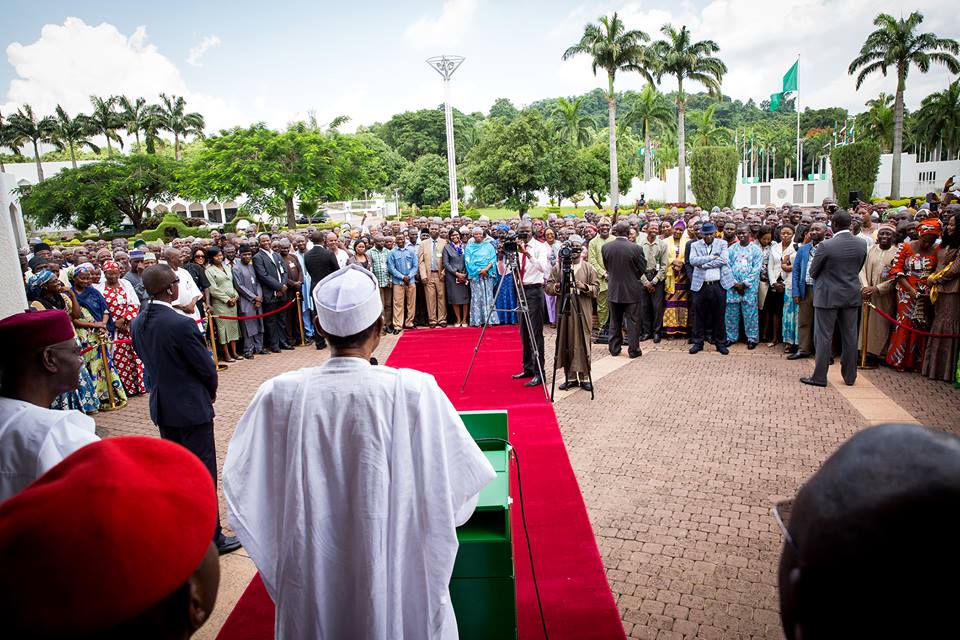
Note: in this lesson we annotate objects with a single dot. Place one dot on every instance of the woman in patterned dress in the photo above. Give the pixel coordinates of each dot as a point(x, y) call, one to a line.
point(915, 262)
point(47, 292)
point(93, 327)
point(124, 306)
point(676, 321)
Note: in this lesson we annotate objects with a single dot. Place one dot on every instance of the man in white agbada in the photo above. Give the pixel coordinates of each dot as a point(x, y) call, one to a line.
point(346, 482)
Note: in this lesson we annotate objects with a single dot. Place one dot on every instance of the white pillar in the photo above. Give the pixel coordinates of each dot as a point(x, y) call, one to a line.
point(451, 151)
point(11, 236)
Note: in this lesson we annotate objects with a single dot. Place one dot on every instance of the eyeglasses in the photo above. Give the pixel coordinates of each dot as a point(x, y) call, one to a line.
point(781, 513)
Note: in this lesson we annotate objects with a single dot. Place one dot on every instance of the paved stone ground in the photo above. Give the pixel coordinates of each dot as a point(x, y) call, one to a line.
point(679, 459)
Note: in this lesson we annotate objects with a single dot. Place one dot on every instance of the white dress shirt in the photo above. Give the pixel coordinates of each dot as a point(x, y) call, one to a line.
point(536, 267)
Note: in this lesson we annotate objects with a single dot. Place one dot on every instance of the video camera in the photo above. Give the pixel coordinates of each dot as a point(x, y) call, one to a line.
point(509, 242)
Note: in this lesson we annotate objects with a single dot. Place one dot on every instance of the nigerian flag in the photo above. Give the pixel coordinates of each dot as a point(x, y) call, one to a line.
point(775, 101)
point(790, 79)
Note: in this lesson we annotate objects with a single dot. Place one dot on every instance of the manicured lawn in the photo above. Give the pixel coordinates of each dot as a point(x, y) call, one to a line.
point(506, 214)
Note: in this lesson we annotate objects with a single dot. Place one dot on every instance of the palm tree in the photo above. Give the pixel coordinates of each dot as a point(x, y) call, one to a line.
point(105, 120)
point(134, 115)
point(879, 120)
point(650, 109)
point(572, 123)
point(71, 133)
point(677, 56)
point(896, 43)
point(612, 48)
point(10, 140)
point(178, 122)
point(152, 126)
point(26, 126)
point(938, 118)
point(706, 132)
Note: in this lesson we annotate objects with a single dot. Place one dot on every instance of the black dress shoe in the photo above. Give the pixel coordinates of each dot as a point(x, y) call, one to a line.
point(229, 544)
point(602, 339)
point(799, 355)
point(644, 337)
point(263, 352)
point(522, 374)
point(248, 356)
point(656, 338)
point(751, 346)
point(274, 350)
point(586, 386)
point(569, 384)
point(812, 382)
point(696, 348)
point(533, 382)
point(287, 347)
point(635, 354)
point(615, 353)
point(722, 349)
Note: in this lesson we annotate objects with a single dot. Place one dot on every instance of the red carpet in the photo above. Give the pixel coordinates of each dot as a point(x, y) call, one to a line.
point(577, 602)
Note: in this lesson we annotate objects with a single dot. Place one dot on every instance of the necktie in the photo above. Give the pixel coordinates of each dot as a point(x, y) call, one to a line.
point(523, 267)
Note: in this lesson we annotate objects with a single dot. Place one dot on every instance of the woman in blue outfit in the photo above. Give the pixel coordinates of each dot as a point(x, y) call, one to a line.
point(480, 257)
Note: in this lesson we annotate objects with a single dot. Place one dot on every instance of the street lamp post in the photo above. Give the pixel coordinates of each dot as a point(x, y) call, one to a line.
point(445, 65)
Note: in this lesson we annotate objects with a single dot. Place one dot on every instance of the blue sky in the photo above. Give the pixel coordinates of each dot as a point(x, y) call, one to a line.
point(275, 61)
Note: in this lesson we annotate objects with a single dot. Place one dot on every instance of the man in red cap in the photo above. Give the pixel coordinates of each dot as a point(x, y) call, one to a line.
point(40, 360)
point(140, 564)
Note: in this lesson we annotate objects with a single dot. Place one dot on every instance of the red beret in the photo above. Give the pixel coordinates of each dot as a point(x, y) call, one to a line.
point(103, 536)
point(26, 332)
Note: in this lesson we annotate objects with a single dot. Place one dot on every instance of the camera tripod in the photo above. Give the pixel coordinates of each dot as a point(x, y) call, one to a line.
point(567, 306)
point(522, 309)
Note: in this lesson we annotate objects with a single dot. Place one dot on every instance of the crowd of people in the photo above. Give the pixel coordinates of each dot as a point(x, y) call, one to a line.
point(455, 272)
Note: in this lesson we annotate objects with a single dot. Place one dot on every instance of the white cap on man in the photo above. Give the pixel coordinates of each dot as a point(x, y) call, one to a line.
point(347, 301)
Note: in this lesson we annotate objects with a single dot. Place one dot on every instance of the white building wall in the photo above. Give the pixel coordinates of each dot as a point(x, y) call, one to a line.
point(12, 237)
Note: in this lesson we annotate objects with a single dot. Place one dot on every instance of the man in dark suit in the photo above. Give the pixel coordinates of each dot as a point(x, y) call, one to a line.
point(272, 276)
point(624, 263)
point(319, 263)
point(836, 297)
point(180, 376)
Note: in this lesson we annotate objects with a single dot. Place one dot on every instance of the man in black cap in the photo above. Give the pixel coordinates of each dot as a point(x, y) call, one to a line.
point(870, 538)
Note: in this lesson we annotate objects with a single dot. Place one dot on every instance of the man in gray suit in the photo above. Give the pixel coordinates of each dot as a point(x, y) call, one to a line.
point(836, 297)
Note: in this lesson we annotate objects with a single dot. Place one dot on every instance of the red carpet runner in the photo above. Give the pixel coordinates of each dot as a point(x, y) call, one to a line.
point(577, 602)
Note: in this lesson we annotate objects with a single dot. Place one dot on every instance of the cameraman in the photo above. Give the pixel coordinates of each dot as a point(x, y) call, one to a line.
point(533, 262)
point(573, 340)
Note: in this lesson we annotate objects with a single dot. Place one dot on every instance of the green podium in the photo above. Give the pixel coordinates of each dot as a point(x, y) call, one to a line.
point(483, 586)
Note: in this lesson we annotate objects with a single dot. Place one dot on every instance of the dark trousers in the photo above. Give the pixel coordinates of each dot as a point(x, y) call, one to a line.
point(824, 322)
point(274, 325)
point(651, 310)
point(618, 312)
point(710, 308)
point(536, 306)
point(198, 440)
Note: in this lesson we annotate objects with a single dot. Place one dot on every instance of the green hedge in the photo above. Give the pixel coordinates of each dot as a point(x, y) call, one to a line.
point(713, 175)
point(854, 168)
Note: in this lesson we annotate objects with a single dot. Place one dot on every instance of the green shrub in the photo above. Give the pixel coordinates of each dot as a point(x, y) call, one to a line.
point(231, 227)
point(713, 175)
point(855, 168)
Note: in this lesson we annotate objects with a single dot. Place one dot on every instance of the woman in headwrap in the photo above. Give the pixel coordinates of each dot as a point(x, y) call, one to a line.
point(480, 257)
point(47, 292)
point(93, 327)
point(915, 262)
point(676, 321)
point(940, 359)
point(124, 306)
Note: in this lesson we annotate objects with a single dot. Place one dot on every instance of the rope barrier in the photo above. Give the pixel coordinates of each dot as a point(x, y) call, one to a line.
point(909, 328)
point(97, 345)
point(262, 315)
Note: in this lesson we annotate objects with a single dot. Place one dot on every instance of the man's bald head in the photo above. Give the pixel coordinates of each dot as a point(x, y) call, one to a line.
point(874, 536)
point(157, 279)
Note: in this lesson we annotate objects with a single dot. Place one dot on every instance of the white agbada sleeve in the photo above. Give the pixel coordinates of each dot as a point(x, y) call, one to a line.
point(73, 432)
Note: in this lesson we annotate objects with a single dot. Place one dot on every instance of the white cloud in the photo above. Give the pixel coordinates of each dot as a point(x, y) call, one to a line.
point(69, 62)
point(197, 52)
point(455, 17)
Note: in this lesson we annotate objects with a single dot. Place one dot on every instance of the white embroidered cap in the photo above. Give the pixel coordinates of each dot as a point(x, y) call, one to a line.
point(347, 301)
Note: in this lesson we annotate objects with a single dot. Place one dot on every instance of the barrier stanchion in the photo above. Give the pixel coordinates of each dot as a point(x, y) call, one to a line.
point(213, 343)
point(106, 374)
point(865, 339)
point(303, 339)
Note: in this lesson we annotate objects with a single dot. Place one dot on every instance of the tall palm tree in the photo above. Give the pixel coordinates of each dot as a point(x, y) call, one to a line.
point(71, 133)
point(572, 123)
point(938, 118)
point(896, 43)
point(27, 126)
point(613, 48)
point(177, 121)
point(105, 120)
point(650, 110)
point(706, 133)
point(678, 56)
point(879, 121)
point(9, 140)
point(134, 115)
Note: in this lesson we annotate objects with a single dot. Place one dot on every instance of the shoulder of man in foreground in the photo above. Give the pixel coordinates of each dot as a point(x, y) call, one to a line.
point(291, 381)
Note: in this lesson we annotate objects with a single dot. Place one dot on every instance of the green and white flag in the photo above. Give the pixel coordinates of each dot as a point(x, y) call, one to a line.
point(790, 79)
point(775, 101)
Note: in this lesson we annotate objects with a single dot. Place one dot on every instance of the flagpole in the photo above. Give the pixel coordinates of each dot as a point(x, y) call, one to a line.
point(797, 104)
